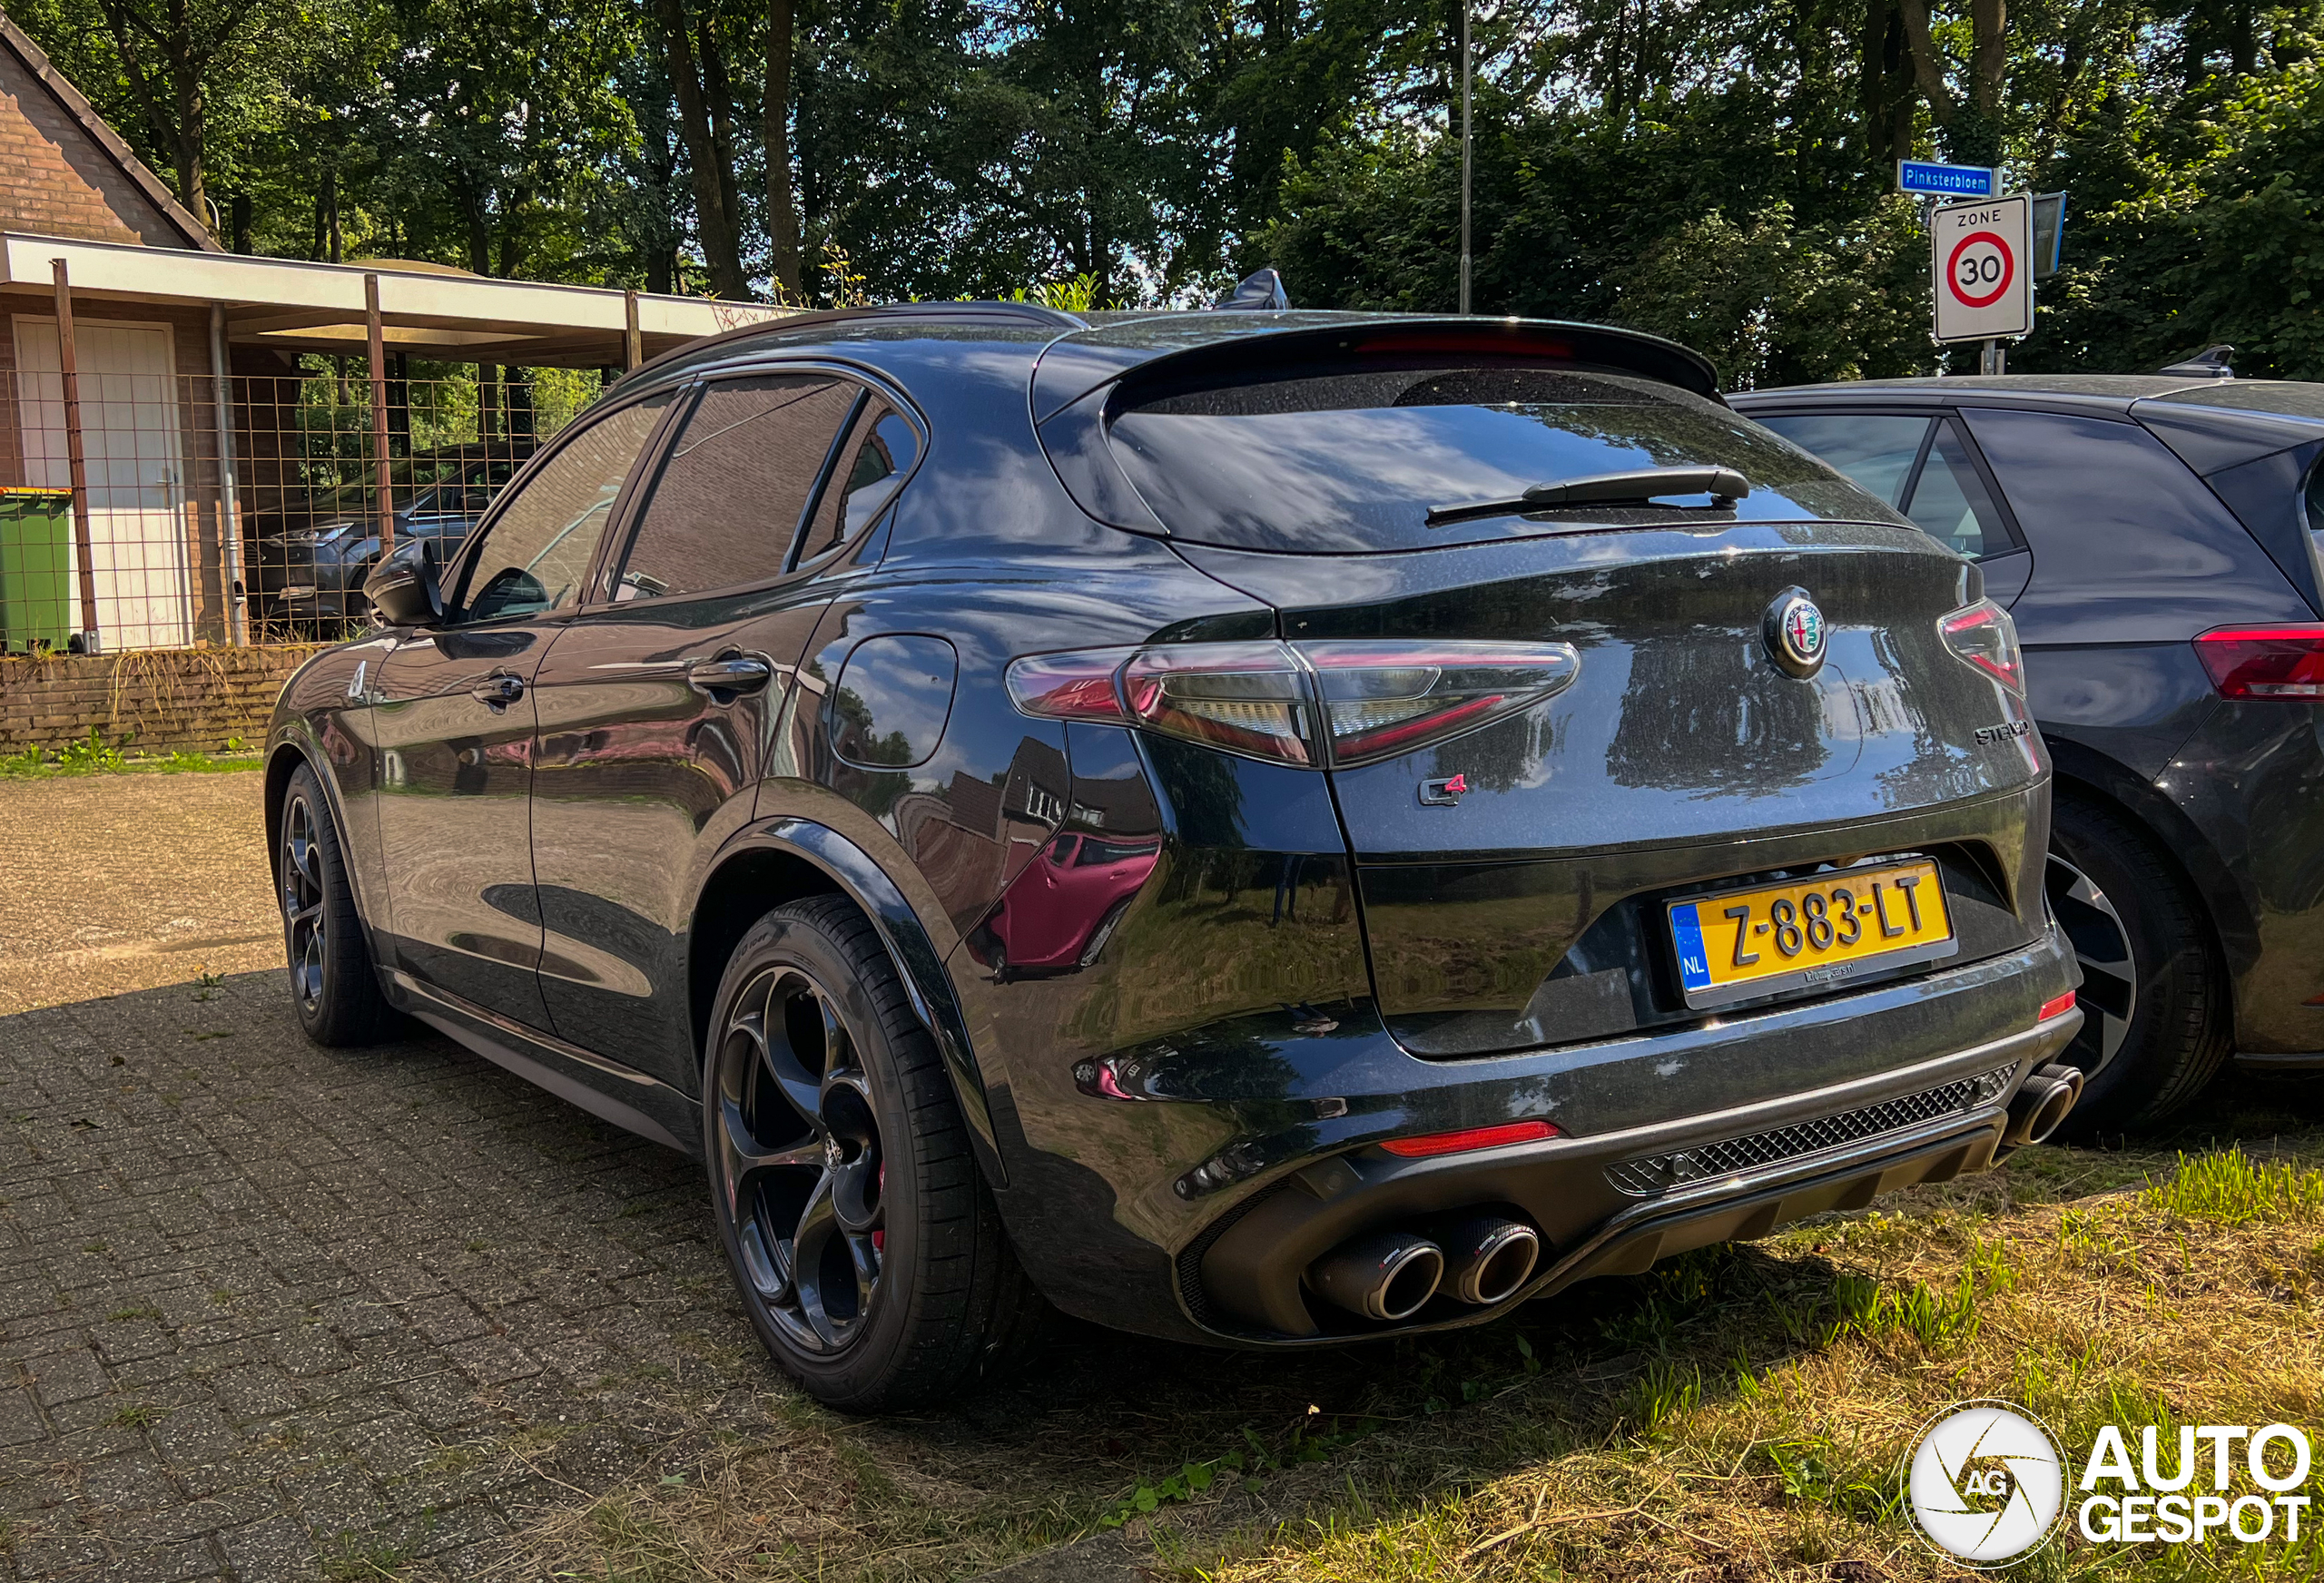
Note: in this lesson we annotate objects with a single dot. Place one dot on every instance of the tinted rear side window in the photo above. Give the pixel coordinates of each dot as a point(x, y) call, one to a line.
point(728, 505)
point(1355, 461)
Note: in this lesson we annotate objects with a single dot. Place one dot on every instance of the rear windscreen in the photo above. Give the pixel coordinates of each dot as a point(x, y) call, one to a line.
point(1356, 461)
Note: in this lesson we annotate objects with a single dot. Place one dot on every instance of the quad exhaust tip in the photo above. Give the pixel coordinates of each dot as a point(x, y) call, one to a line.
point(1487, 1257)
point(1386, 1275)
point(2043, 1104)
point(1477, 1259)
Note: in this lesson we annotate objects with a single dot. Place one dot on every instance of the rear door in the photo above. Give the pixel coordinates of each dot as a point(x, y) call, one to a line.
point(658, 704)
point(453, 713)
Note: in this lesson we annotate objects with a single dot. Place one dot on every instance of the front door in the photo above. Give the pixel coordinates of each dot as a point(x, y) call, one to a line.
point(453, 716)
point(135, 466)
point(656, 709)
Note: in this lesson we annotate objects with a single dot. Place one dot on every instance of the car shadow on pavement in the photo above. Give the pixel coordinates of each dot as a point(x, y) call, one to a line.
point(271, 1308)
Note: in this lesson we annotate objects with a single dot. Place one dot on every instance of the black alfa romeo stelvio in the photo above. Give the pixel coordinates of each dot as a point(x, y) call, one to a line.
point(1253, 827)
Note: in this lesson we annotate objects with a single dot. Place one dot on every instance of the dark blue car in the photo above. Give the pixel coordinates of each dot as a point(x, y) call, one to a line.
point(2155, 538)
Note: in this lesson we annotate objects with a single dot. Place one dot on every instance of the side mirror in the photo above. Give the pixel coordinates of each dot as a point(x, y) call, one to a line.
point(402, 587)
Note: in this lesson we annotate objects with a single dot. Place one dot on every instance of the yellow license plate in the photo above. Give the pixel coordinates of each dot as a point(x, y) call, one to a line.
point(1741, 944)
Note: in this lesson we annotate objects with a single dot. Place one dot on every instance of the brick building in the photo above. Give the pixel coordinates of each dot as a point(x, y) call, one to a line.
point(208, 388)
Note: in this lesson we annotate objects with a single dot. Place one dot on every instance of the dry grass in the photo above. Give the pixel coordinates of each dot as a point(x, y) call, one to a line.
point(1737, 1415)
point(2194, 1300)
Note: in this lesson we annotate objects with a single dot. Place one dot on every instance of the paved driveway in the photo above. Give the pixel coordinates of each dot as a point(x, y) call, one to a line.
point(114, 882)
point(270, 1309)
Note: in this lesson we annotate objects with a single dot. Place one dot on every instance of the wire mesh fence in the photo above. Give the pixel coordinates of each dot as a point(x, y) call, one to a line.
point(173, 557)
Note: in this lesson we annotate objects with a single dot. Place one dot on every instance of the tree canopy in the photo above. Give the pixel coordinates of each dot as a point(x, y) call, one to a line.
point(1718, 171)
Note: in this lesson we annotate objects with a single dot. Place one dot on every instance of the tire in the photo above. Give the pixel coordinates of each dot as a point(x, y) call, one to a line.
point(863, 1242)
point(2155, 993)
point(333, 989)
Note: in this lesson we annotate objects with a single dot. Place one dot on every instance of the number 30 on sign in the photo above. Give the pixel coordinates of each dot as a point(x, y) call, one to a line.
point(1980, 256)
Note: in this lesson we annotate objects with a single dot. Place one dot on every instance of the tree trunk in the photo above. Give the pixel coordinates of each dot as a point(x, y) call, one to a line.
point(781, 217)
point(718, 97)
point(711, 217)
point(1989, 57)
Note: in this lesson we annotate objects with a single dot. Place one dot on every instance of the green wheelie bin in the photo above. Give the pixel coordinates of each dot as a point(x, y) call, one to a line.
point(36, 569)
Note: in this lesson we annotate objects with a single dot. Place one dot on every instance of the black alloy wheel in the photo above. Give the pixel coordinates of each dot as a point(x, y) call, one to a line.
point(863, 1242)
point(2109, 973)
point(800, 1165)
point(305, 939)
point(332, 986)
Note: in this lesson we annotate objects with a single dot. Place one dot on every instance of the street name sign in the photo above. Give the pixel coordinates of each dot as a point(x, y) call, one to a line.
point(1933, 179)
point(1982, 256)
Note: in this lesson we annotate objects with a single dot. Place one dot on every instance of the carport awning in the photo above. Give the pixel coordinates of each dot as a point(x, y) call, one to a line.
point(425, 310)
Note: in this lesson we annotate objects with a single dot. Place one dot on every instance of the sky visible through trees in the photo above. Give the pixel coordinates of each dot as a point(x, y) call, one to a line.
point(1718, 171)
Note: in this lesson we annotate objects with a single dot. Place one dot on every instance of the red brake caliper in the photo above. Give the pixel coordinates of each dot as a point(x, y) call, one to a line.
point(880, 1236)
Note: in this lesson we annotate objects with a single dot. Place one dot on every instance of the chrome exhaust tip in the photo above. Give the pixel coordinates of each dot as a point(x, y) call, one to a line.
point(1387, 1275)
point(2043, 1102)
point(1487, 1257)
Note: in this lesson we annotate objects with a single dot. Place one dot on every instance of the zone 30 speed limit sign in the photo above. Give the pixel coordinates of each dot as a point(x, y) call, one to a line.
point(1983, 260)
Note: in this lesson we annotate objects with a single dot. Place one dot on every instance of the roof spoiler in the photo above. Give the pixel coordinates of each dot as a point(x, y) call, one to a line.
point(1261, 292)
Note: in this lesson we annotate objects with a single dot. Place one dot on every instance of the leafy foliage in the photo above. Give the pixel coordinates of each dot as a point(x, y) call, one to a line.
point(1717, 170)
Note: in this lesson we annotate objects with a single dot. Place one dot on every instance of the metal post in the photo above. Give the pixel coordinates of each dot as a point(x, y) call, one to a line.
point(379, 412)
point(230, 508)
point(1466, 149)
point(68, 364)
point(633, 347)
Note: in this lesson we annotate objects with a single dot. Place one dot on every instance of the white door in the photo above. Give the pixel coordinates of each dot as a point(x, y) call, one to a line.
point(129, 442)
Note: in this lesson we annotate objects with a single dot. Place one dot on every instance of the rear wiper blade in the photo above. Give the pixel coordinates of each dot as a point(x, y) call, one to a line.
point(1639, 486)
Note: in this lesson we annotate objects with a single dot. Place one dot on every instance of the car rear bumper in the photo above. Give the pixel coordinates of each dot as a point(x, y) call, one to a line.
point(1761, 1166)
point(1181, 1187)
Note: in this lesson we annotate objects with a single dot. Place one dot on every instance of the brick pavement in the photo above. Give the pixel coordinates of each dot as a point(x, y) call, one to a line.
point(276, 1312)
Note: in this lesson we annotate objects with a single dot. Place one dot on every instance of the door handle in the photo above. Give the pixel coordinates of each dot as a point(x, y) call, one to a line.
point(739, 673)
point(497, 692)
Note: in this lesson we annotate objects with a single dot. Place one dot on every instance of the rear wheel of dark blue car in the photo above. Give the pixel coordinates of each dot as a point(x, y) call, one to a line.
point(864, 1245)
point(2153, 997)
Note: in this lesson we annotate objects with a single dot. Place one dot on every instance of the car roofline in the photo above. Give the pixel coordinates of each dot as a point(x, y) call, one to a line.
point(1031, 315)
point(782, 334)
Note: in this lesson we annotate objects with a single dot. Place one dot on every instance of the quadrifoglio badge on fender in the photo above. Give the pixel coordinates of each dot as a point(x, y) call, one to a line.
point(1986, 1484)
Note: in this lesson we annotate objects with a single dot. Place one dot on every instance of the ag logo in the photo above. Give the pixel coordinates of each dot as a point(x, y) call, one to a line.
point(1794, 629)
point(1986, 1484)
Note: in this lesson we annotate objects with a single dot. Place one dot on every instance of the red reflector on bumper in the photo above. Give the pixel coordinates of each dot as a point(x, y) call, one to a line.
point(2057, 1007)
point(1476, 1138)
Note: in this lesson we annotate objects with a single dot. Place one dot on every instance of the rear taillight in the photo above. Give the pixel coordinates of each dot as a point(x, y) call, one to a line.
point(1248, 698)
point(1292, 703)
point(1383, 699)
point(2280, 664)
point(1982, 636)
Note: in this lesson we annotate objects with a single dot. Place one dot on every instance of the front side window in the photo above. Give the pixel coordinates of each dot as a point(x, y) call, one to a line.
point(726, 505)
point(537, 554)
